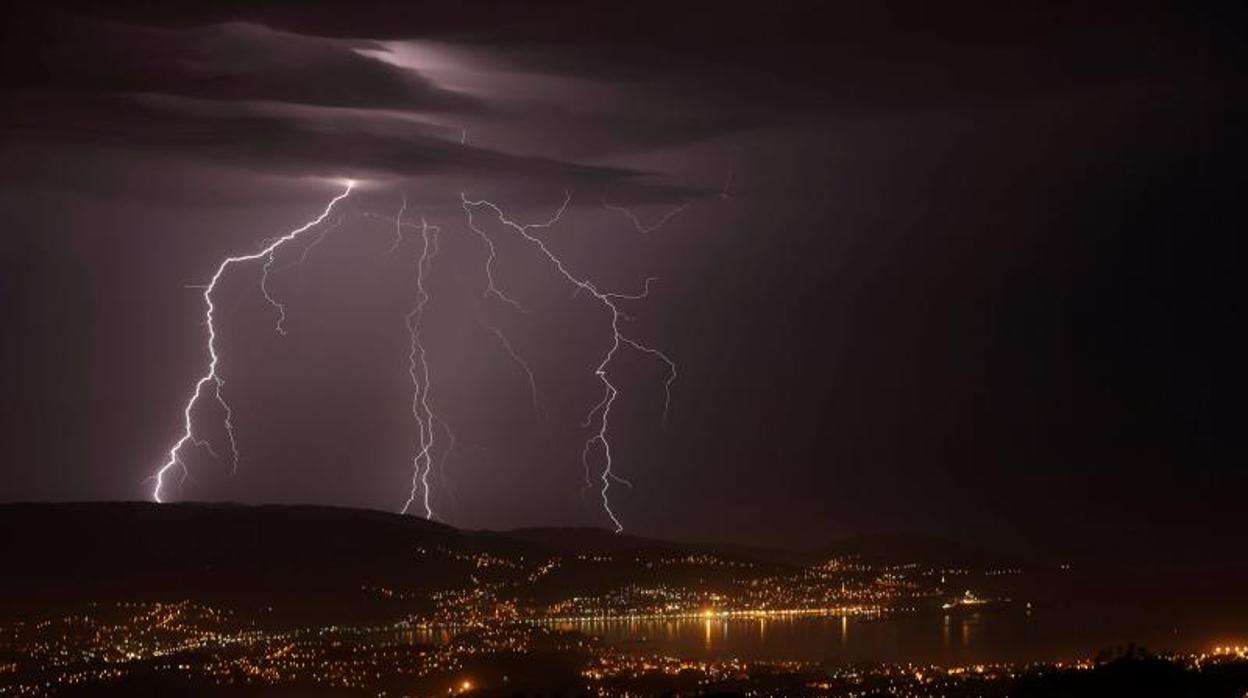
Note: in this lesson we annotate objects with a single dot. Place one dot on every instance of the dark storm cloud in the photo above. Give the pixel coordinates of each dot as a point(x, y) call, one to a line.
point(761, 58)
point(85, 74)
point(604, 135)
point(293, 142)
point(693, 72)
point(231, 61)
point(271, 102)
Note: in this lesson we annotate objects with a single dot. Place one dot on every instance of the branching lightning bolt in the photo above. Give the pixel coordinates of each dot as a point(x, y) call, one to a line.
point(418, 370)
point(610, 302)
point(491, 288)
point(212, 375)
point(418, 367)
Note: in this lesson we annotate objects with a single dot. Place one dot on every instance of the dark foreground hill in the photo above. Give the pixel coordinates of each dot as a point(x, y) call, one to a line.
point(302, 559)
point(123, 550)
point(100, 551)
point(310, 556)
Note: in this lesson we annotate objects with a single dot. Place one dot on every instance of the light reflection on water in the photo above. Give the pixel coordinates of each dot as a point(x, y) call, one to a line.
point(1003, 634)
point(426, 635)
point(1182, 614)
point(906, 637)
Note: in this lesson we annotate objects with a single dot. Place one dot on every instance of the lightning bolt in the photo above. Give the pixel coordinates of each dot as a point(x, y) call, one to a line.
point(636, 221)
point(601, 412)
point(303, 256)
point(491, 287)
point(418, 371)
point(426, 419)
point(398, 227)
point(212, 376)
point(524, 366)
point(452, 444)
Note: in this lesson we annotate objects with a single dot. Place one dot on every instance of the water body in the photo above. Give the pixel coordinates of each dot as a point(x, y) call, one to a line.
point(1068, 619)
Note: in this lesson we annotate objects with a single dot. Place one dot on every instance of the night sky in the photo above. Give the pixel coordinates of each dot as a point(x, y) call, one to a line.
point(957, 269)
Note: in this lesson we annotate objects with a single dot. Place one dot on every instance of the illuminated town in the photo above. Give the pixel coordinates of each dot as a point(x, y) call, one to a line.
point(507, 630)
point(105, 650)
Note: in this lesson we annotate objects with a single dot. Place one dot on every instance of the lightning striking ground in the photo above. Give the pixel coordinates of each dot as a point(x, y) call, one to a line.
point(428, 423)
point(418, 371)
point(610, 302)
point(212, 375)
point(423, 415)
